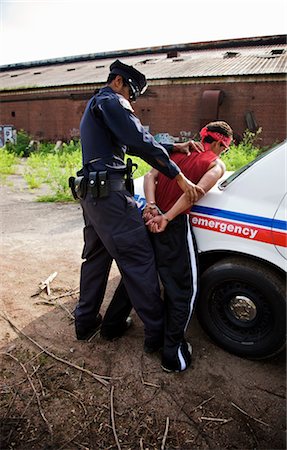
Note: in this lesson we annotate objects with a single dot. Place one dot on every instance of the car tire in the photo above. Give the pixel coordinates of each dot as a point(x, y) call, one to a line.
point(242, 307)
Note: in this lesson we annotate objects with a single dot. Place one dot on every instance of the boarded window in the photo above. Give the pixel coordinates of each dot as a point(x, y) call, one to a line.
point(277, 51)
point(251, 121)
point(210, 102)
point(172, 54)
point(230, 54)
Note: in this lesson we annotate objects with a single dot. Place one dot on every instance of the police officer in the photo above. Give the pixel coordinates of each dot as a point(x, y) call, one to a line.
point(114, 228)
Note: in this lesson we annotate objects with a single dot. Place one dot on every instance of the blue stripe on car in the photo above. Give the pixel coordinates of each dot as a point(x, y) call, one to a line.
point(248, 218)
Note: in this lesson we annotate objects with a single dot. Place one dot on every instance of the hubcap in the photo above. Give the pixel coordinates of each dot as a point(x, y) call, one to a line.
point(242, 308)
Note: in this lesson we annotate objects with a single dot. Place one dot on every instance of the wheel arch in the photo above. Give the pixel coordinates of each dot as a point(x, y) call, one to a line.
point(207, 259)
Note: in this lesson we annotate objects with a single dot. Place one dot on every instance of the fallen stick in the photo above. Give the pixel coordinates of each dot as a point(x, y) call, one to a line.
point(45, 302)
point(65, 309)
point(50, 302)
point(165, 434)
point(96, 333)
point(66, 294)
point(113, 418)
point(39, 379)
point(101, 379)
point(81, 373)
point(149, 384)
point(203, 403)
point(46, 284)
point(246, 414)
point(215, 419)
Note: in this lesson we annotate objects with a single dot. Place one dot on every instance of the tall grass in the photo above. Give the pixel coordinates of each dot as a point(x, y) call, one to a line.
point(54, 169)
point(241, 154)
point(8, 164)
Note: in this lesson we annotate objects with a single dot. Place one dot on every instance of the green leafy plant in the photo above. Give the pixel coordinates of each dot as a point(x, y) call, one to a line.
point(8, 163)
point(241, 154)
point(21, 146)
point(54, 169)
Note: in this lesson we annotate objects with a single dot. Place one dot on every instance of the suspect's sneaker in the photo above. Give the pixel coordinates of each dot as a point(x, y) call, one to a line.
point(84, 332)
point(182, 362)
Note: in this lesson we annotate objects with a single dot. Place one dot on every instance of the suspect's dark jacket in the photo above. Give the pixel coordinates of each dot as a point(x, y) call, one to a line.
point(109, 129)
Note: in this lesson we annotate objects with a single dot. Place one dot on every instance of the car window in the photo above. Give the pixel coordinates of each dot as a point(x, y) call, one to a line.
point(238, 172)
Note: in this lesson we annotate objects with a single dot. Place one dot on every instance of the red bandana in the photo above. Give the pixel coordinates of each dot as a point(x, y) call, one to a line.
point(224, 140)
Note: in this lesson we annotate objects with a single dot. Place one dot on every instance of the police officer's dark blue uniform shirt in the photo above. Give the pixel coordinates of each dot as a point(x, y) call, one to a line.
point(109, 129)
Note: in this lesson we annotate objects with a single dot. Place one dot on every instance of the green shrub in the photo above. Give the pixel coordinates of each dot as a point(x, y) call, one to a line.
point(238, 156)
point(8, 161)
point(21, 146)
point(241, 154)
point(54, 169)
point(46, 147)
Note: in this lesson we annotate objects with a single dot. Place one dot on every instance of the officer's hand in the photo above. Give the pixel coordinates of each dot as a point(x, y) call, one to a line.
point(196, 146)
point(181, 147)
point(191, 189)
point(188, 147)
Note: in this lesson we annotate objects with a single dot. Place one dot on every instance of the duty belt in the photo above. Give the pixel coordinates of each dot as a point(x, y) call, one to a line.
point(99, 185)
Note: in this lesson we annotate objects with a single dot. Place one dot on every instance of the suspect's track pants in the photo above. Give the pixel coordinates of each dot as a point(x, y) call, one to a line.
point(176, 259)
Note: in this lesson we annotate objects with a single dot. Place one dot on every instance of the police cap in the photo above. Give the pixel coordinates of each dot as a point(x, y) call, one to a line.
point(135, 79)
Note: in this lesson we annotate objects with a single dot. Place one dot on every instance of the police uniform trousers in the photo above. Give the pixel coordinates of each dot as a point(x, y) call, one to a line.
point(177, 264)
point(114, 229)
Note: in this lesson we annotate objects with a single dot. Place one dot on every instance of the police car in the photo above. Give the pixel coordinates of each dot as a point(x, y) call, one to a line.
point(241, 233)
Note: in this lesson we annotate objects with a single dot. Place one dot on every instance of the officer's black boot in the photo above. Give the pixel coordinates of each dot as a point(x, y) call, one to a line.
point(85, 331)
point(110, 333)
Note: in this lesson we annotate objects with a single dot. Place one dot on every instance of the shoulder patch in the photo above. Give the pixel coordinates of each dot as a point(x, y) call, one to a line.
point(124, 102)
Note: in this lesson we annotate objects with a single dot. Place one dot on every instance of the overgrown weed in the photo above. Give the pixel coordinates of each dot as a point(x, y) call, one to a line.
point(8, 164)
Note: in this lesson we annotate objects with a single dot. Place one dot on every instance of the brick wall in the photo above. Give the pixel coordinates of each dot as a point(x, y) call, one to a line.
point(178, 108)
point(44, 117)
point(167, 108)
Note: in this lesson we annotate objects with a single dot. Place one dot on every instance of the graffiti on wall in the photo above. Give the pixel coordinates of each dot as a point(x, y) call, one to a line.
point(7, 134)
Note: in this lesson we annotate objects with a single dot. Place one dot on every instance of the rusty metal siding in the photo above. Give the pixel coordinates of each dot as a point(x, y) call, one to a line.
point(257, 60)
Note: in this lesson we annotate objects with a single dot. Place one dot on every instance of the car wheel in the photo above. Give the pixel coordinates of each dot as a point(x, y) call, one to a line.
point(242, 307)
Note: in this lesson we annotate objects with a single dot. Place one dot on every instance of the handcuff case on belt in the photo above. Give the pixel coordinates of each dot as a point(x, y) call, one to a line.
point(78, 187)
point(99, 184)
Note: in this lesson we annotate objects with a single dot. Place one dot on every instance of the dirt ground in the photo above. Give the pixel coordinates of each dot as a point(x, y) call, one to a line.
point(58, 393)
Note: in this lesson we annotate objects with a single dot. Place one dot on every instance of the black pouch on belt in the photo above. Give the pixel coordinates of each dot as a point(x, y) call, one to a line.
point(72, 187)
point(93, 184)
point(81, 187)
point(103, 184)
point(78, 187)
point(99, 184)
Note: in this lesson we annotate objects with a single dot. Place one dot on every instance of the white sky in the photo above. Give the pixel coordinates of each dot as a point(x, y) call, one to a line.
point(44, 29)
